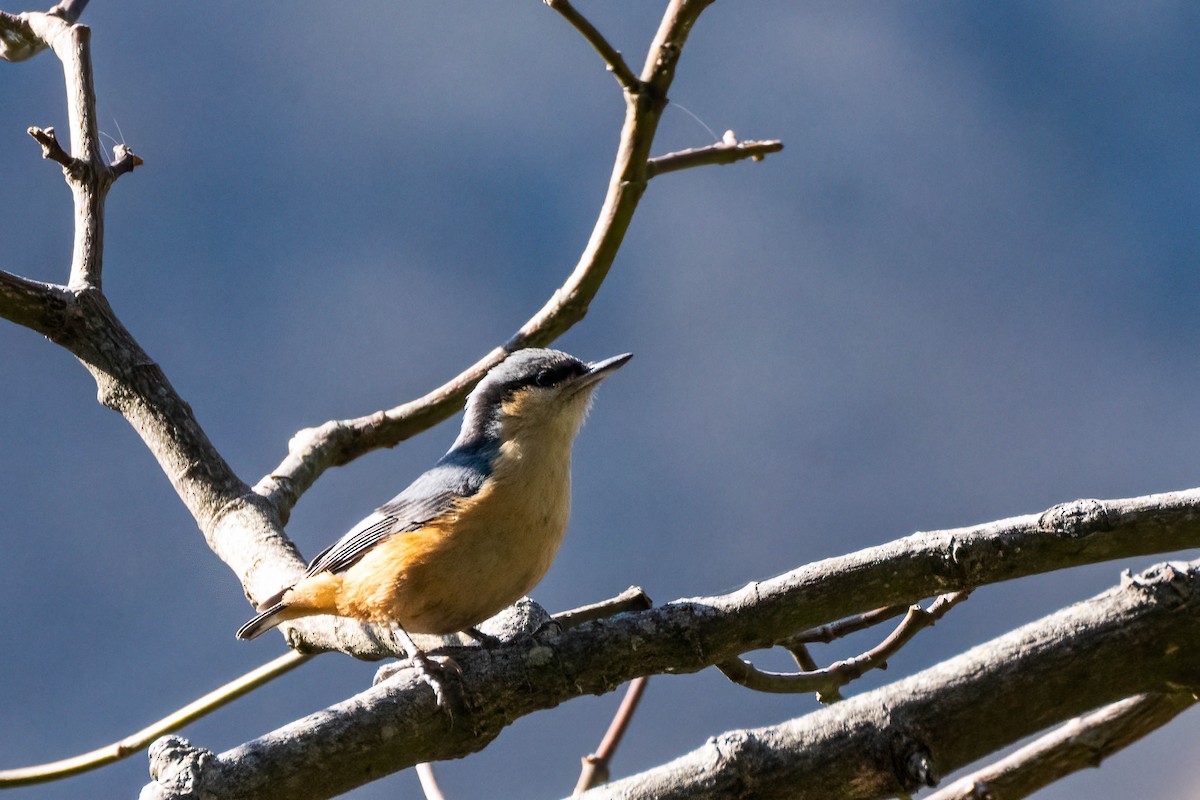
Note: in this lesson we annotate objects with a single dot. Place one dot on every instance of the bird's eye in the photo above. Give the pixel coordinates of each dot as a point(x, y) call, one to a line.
point(543, 378)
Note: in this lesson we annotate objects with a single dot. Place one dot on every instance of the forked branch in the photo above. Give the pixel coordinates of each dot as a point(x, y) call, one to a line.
point(828, 681)
point(338, 442)
point(243, 527)
point(612, 57)
point(874, 745)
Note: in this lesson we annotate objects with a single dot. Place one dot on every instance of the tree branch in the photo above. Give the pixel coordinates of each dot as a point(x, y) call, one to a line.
point(825, 634)
point(243, 529)
point(238, 525)
point(920, 565)
point(313, 450)
point(70, 9)
point(612, 58)
point(877, 744)
point(727, 151)
point(632, 599)
point(826, 682)
point(137, 742)
point(429, 784)
point(51, 149)
point(35, 305)
point(18, 42)
point(595, 769)
point(528, 675)
point(899, 738)
point(1081, 743)
point(86, 172)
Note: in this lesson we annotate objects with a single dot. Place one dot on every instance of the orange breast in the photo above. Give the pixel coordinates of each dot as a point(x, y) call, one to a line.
point(474, 562)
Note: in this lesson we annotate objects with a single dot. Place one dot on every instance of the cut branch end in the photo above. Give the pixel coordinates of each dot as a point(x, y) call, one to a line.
point(51, 149)
point(726, 151)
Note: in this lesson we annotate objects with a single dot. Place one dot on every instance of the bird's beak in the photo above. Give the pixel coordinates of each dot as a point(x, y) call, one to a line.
point(598, 370)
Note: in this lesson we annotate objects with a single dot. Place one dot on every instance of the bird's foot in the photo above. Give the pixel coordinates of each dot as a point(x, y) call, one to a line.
point(448, 693)
point(441, 677)
point(433, 672)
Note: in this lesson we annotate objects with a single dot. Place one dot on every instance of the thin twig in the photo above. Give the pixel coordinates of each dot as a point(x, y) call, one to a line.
point(632, 599)
point(612, 57)
point(833, 677)
point(1083, 742)
point(595, 769)
point(727, 151)
point(844, 627)
point(804, 660)
point(137, 742)
point(70, 9)
point(51, 149)
point(429, 783)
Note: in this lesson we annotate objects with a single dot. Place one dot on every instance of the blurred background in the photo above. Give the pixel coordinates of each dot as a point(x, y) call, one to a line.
point(966, 290)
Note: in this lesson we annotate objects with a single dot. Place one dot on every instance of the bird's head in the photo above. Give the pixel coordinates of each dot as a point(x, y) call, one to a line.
point(534, 390)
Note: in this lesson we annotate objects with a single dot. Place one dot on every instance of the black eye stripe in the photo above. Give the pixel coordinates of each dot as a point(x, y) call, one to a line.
point(552, 376)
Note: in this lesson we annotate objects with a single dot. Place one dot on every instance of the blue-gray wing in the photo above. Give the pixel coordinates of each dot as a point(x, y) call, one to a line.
point(457, 476)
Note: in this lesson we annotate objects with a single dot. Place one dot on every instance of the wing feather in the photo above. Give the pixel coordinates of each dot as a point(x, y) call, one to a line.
point(459, 475)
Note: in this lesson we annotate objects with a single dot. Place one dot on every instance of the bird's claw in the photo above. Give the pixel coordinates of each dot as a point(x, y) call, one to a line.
point(433, 673)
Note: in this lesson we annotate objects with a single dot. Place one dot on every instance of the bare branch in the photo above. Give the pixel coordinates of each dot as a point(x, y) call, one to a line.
point(727, 151)
point(51, 149)
point(1081, 743)
point(35, 305)
point(429, 783)
point(612, 58)
point(632, 599)
point(896, 739)
point(335, 443)
point(72, 44)
point(87, 174)
point(595, 769)
point(137, 742)
point(124, 160)
point(18, 42)
point(241, 527)
point(70, 9)
point(238, 525)
point(921, 565)
point(874, 745)
point(844, 627)
point(828, 681)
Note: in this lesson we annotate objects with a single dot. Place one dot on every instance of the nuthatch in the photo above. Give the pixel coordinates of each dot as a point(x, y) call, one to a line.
point(477, 531)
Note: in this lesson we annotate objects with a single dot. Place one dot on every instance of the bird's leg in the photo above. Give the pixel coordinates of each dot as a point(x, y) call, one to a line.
point(430, 670)
point(485, 639)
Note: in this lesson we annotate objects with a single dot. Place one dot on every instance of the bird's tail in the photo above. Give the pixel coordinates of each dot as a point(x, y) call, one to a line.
point(269, 618)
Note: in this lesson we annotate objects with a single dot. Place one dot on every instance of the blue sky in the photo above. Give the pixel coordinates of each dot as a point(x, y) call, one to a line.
point(965, 290)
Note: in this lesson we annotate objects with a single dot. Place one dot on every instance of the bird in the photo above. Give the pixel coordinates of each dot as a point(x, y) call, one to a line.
point(474, 533)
